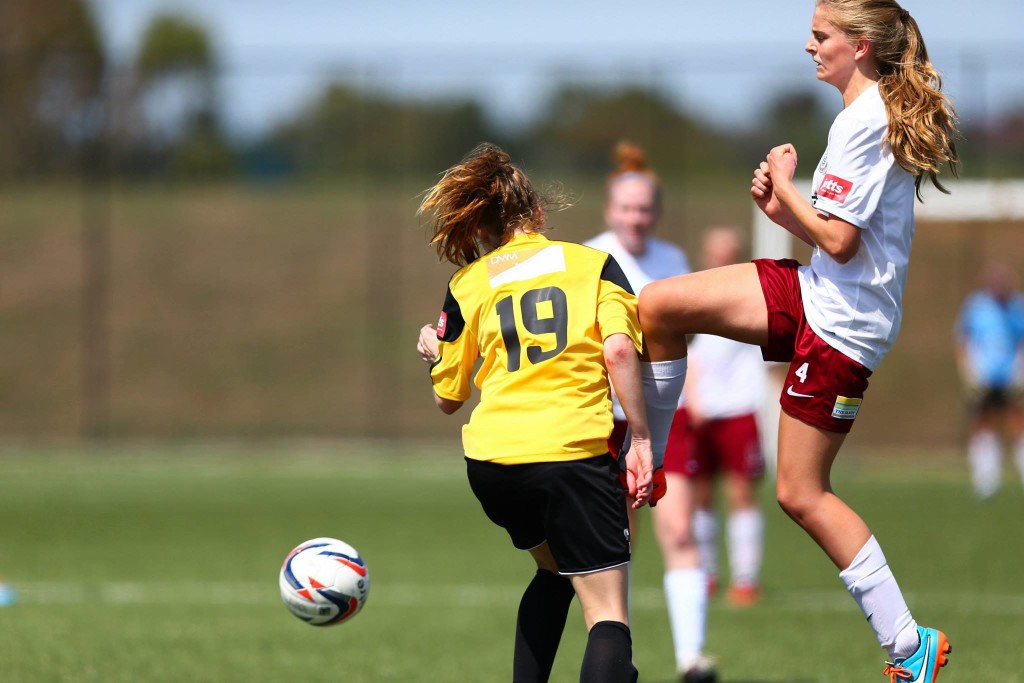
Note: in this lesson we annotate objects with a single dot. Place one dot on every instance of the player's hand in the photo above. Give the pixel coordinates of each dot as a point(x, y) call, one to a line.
point(761, 185)
point(426, 345)
point(762, 190)
point(974, 388)
point(639, 471)
point(782, 162)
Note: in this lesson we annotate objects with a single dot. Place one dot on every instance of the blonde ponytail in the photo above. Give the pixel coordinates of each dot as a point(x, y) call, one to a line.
point(922, 120)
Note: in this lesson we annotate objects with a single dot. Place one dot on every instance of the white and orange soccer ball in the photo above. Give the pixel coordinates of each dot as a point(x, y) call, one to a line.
point(324, 581)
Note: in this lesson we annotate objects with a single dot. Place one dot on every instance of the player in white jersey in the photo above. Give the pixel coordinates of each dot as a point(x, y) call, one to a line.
point(725, 390)
point(631, 213)
point(835, 319)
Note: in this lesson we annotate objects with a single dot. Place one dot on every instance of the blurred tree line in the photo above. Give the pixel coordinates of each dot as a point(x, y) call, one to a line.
point(64, 110)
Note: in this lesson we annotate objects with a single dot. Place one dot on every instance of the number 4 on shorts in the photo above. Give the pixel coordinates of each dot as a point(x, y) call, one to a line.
point(801, 372)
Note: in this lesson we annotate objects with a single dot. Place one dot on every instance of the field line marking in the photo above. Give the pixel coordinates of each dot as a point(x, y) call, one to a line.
point(463, 595)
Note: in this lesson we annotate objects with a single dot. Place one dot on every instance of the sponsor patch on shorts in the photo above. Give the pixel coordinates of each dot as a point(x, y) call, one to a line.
point(846, 408)
point(834, 188)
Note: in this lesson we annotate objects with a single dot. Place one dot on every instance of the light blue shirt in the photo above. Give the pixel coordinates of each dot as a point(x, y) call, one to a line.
point(993, 336)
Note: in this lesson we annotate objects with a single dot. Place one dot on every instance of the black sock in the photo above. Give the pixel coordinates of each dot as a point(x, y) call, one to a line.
point(542, 613)
point(609, 655)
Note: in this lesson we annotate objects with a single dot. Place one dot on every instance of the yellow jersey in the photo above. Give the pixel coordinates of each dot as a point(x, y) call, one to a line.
point(537, 312)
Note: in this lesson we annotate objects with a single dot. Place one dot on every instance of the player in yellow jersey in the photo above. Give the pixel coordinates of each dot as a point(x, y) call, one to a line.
point(551, 322)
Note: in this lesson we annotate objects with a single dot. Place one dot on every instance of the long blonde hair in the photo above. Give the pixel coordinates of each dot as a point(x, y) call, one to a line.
point(922, 120)
point(479, 203)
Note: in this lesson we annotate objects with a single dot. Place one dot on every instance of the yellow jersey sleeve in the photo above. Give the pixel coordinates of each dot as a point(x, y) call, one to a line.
point(616, 305)
point(457, 352)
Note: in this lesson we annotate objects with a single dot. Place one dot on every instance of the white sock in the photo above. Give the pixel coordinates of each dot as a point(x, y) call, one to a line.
point(1018, 455)
point(705, 534)
point(871, 583)
point(687, 598)
point(746, 546)
point(986, 463)
point(663, 383)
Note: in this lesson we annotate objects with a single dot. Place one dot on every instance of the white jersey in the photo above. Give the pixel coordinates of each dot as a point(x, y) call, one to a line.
point(731, 377)
point(857, 307)
point(661, 260)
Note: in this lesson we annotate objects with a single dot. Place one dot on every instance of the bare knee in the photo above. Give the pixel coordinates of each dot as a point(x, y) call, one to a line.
point(662, 320)
point(663, 306)
point(603, 595)
point(678, 539)
point(798, 502)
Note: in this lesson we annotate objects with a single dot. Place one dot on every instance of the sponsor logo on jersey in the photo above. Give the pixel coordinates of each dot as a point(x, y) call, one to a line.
point(846, 408)
point(503, 258)
point(442, 324)
point(823, 164)
point(834, 188)
point(525, 264)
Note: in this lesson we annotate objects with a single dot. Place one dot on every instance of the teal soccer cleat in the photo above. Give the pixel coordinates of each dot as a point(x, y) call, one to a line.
point(922, 666)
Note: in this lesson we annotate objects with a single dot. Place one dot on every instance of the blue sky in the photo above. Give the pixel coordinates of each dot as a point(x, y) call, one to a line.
point(721, 60)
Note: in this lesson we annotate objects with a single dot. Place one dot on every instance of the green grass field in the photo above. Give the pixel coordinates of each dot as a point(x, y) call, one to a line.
point(159, 564)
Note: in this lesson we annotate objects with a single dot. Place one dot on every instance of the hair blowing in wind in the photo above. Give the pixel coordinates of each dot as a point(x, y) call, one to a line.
point(922, 120)
point(480, 201)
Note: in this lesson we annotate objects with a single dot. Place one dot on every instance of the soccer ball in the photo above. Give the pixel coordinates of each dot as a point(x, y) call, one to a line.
point(324, 582)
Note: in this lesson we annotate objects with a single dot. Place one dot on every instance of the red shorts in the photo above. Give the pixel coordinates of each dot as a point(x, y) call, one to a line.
point(730, 444)
point(823, 387)
point(678, 451)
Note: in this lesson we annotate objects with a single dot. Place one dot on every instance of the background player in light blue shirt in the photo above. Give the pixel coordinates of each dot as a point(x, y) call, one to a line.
point(990, 358)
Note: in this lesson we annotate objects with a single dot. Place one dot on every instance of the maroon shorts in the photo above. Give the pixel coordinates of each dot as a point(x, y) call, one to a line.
point(823, 387)
point(729, 444)
point(678, 451)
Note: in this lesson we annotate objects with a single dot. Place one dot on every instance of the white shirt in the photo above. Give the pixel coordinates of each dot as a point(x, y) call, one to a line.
point(661, 260)
point(731, 377)
point(857, 307)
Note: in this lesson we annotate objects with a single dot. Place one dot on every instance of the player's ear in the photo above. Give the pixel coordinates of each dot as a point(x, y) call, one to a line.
point(862, 48)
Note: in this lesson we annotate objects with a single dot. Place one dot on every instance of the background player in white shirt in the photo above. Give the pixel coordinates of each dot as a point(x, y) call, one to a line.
point(631, 213)
point(725, 389)
point(835, 319)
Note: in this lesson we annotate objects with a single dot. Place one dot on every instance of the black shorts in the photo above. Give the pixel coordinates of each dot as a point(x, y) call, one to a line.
point(578, 507)
point(994, 398)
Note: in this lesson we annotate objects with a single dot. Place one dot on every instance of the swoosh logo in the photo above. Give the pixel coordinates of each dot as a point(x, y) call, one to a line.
point(793, 393)
point(926, 662)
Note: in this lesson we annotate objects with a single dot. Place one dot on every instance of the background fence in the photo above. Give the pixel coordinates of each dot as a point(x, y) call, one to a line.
point(163, 275)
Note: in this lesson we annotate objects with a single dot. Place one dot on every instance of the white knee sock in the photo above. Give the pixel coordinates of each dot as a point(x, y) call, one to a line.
point(687, 598)
point(663, 383)
point(870, 581)
point(986, 463)
point(746, 546)
point(705, 534)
